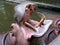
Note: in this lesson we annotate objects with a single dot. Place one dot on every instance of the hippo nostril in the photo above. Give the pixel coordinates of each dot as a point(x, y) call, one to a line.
point(11, 27)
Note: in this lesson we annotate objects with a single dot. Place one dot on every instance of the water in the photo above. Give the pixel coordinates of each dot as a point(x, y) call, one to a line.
point(7, 12)
point(55, 2)
point(6, 16)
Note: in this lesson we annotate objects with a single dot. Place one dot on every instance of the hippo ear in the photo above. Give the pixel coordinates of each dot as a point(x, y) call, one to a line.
point(28, 6)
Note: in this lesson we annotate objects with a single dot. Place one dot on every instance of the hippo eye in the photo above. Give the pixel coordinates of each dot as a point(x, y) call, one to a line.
point(29, 6)
point(12, 34)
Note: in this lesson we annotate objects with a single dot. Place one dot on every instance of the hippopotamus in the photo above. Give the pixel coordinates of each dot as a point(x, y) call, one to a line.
point(17, 36)
point(22, 15)
point(24, 29)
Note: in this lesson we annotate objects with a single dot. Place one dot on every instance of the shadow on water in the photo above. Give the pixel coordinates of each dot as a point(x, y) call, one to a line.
point(7, 12)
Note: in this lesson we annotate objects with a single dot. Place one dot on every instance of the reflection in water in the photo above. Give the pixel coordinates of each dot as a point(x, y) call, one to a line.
point(7, 11)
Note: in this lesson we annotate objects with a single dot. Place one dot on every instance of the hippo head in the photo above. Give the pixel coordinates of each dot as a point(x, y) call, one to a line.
point(23, 9)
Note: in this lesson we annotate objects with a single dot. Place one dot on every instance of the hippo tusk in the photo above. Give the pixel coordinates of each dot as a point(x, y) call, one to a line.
point(30, 26)
point(42, 19)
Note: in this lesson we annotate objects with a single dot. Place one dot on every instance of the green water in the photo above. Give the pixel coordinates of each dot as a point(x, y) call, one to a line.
point(6, 16)
point(7, 12)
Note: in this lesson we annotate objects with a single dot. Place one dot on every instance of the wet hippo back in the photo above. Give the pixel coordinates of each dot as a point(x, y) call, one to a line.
point(10, 39)
point(1, 38)
point(7, 39)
